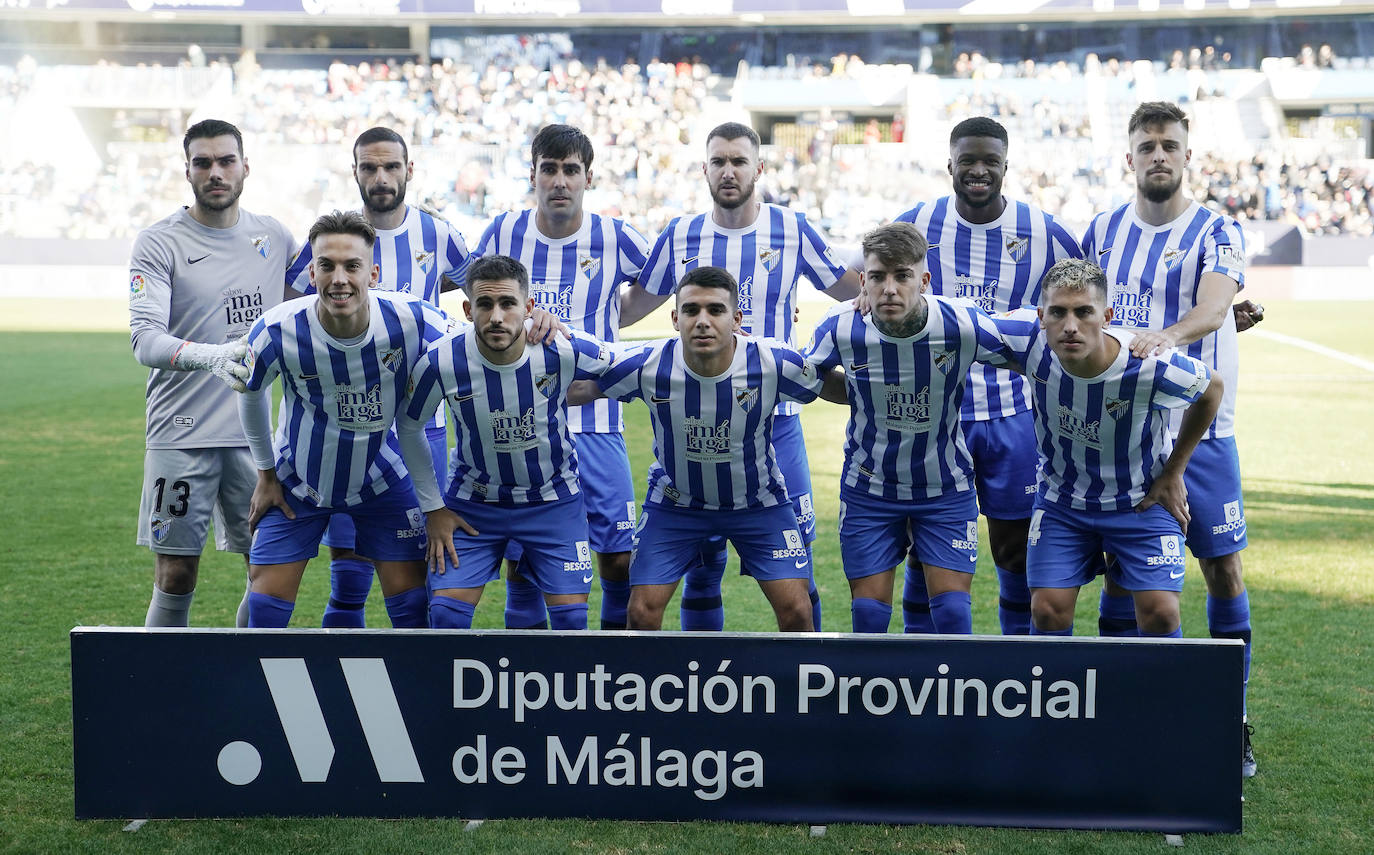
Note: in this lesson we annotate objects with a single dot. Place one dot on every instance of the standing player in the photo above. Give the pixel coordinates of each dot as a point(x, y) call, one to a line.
point(577, 263)
point(515, 466)
point(993, 252)
point(1111, 475)
point(767, 249)
point(1175, 268)
point(197, 281)
point(908, 479)
point(344, 355)
point(417, 253)
point(711, 394)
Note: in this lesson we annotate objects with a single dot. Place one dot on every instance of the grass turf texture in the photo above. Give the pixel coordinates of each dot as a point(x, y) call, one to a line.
point(71, 463)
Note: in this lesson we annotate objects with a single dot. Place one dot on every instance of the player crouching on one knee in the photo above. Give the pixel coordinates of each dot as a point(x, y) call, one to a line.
point(1110, 481)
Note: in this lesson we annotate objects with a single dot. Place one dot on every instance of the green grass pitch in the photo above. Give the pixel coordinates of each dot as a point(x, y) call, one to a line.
point(70, 463)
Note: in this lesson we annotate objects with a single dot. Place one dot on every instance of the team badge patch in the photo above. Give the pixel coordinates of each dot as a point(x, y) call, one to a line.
point(1169, 546)
point(588, 266)
point(425, 260)
point(391, 360)
point(543, 384)
point(138, 286)
point(746, 398)
point(160, 528)
point(944, 361)
point(769, 258)
point(263, 244)
point(1116, 407)
point(1174, 257)
point(1016, 247)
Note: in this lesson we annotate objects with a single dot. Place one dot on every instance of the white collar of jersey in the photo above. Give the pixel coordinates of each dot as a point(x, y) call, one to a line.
point(1187, 214)
point(1007, 217)
point(411, 213)
point(374, 323)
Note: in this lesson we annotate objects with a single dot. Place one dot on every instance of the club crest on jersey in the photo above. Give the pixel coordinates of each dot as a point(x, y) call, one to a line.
point(944, 360)
point(1116, 407)
point(588, 266)
point(746, 398)
point(543, 384)
point(160, 528)
point(769, 258)
point(138, 286)
point(1078, 429)
point(907, 411)
point(706, 443)
point(1174, 257)
point(425, 260)
point(263, 244)
point(391, 360)
point(1016, 247)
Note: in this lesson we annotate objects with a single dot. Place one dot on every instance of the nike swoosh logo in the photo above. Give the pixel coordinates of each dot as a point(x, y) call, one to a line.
point(654, 399)
point(1238, 535)
point(854, 366)
point(458, 399)
point(799, 564)
point(1178, 575)
point(310, 376)
point(690, 260)
point(586, 580)
point(190, 260)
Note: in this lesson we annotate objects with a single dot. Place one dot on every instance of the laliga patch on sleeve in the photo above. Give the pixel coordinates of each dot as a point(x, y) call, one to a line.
point(1231, 256)
point(138, 286)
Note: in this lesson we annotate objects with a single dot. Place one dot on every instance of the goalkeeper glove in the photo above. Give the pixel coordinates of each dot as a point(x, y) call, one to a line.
point(225, 361)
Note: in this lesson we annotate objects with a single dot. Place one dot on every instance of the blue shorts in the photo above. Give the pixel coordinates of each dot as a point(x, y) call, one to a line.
point(389, 527)
point(789, 448)
point(1066, 545)
point(767, 541)
point(1005, 464)
point(875, 532)
point(340, 534)
point(1216, 524)
point(553, 535)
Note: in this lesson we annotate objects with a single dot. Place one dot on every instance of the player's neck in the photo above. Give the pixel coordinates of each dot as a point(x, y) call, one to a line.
point(980, 216)
point(347, 327)
point(223, 219)
point(736, 218)
point(386, 220)
point(713, 366)
point(508, 356)
point(1160, 213)
point(557, 228)
point(908, 326)
point(1094, 363)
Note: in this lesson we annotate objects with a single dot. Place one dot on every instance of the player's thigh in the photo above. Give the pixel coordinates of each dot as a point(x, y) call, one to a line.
point(238, 477)
point(768, 542)
point(789, 449)
point(1005, 464)
point(180, 486)
point(1147, 550)
point(479, 555)
point(279, 542)
point(607, 490)
point(1063, 550)
point(873, 534)
point(1215, 506)
point(553, 536)
point(944, 534)
point(666, 541)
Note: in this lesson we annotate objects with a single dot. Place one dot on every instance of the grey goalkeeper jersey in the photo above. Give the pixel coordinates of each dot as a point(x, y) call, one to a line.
point(191, 282)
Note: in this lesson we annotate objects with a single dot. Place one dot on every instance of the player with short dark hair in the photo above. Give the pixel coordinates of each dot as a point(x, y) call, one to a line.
point(198, 279)
point(577, 263)
point(417, 253)
point(767, 249)
point(993, 251)
point(1175, 268)
point(515, 466)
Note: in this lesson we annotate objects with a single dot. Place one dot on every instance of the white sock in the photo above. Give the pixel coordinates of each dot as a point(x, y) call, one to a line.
point(169, 609)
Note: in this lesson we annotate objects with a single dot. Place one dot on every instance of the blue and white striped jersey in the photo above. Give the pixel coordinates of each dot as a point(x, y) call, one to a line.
point(713, 436)
point(1103, 440)
point(766, 258)
point(903, 440)
point(412, 258)
point(1153, 273)
point(998, 266)
point(334, 442)
point(577, 279)
point(512, 445)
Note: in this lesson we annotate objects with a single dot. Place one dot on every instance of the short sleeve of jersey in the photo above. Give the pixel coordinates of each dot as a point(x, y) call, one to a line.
point(990, 348)
point(434, 323)
point(1018, 329)
point(660, 275)
point(622, 379)
point(298, 271)
point(1179, 380)
point(823, 350)
point(633, 249)
point(798, 379)
point(1089, 244)
point(1062, 242)
point(819, 263)
point(591, 358)
point(456, 253)
point(1223, 250)
point(424, 392)
point(264, 352)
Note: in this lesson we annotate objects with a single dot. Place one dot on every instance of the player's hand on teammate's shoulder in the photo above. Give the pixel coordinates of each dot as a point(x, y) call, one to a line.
point(1149, 343)
point(1248, 313)
point(862, 304)
point(545, 327)
point(440, 524)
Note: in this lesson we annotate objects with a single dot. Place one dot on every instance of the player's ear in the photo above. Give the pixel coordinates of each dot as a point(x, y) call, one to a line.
point(1130, 162)
point(589, 178)
point(531, 177)
point(1107, 315)
point(410, 170)
point(375, 277)
point(1187, 156)
point(925, 280)
point(674, 316)
point(949, 167)
point(1040, 315)
point(739, 320)
point(245, 167)
point(467, 308)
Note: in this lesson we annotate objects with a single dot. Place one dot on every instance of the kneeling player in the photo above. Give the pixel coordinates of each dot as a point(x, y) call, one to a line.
point(1109, 478)
point(344, 355)
point(515, 469)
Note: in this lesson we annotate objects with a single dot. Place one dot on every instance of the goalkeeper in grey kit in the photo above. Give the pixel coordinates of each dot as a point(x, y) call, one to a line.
point(198, 280)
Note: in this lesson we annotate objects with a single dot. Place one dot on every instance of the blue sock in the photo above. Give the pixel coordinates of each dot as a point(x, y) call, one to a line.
point(916, 602)
point(1117, 618)
point(870, 615)
point(568, 616)
point(1231, 619)
point(816, 599)
point(702, 608)
point(350, 581)
point(1037, 631)
point(952, 613)
point(448, 613)
point(615, 601)
point(1176, 633)
point(524, 601)
point(409, 609)
point(267, 611)
point(1013, 606)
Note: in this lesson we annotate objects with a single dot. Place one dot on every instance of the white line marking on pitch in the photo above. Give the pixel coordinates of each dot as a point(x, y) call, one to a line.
point(1362, 364)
